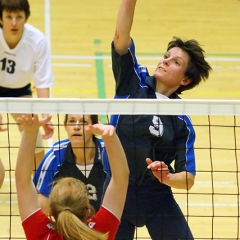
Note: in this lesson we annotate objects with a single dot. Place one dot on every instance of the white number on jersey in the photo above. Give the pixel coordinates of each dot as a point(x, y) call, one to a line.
point(157, 128)
point(92, 192)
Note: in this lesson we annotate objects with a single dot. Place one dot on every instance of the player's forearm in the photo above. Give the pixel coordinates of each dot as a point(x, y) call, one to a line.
point(182, 180)
point(25, 157)
point(125, 16)
point(123, 26)
point(43, 92)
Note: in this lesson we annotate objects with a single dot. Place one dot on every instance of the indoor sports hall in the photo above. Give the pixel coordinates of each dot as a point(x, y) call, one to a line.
point(80, 32)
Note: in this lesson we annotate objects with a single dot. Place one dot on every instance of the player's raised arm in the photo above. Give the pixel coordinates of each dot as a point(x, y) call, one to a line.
point(125, 16)
point(114, 198)
point(26, 192)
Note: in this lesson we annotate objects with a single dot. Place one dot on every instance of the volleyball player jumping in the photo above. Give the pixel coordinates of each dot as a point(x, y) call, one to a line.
point(159, 149)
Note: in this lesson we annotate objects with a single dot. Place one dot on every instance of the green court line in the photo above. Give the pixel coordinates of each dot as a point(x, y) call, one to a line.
point(100, 79)
point(222, 55)
point(99, 71)
point(100, 75)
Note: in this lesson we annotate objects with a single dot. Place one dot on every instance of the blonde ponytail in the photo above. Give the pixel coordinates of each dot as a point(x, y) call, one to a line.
point(70, 227)
point(70, 208)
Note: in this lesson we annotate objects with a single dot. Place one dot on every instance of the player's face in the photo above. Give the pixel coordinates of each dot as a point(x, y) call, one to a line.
point(75, 128)
point(13, 23)
point(171, 69)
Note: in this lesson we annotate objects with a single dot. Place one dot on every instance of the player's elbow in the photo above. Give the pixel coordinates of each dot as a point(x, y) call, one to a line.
point(189, 186)
point(2, 173)
point(121, 43)
point(190, 181)
point(1, 180)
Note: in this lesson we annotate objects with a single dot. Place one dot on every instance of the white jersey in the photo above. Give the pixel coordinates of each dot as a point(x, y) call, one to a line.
point(29, 60)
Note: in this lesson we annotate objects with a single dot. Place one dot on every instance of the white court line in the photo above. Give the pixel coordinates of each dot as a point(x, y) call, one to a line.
point(79, 57)
point(47, 20)
point(71, 65)
point(140, 58)
point(214, 67)
point(217, 59)
point(8, 202)
point(208, 204)
point(215, 182)
point(235, 67)
point(9, 179)
point(196, 182)
point(47, 23)
point(180, 203)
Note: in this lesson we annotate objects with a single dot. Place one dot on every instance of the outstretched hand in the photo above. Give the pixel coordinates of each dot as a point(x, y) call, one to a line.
point(159, 169)
point(48, 130)
point(31, 122)
point(101, 129)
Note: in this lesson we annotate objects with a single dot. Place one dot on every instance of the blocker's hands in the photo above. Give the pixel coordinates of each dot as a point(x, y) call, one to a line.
point(101, 129)
point(159, 169)
point(48, 129)
point(31, 122)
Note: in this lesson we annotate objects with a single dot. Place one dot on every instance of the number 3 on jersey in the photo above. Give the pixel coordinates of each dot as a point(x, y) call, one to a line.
point(8, 65)
point(157, 128)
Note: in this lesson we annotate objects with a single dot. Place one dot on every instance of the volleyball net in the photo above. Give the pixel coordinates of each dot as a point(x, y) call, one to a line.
point(211, 207)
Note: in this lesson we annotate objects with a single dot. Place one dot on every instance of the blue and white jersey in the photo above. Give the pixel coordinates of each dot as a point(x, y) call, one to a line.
point(159, 137)
point(60, 162)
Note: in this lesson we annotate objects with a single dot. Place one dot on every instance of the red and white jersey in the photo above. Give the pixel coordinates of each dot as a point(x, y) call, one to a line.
point(29, 61)
point(38, 225)
point(106, 222)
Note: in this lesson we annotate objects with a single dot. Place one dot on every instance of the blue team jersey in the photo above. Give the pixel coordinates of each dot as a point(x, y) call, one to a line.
point(159, 137)
point(59, 162)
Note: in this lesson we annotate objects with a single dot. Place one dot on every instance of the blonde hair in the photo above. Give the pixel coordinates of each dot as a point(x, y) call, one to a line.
point(70, 208)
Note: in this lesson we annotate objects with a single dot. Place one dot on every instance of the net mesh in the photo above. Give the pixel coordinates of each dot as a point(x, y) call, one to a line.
point(209, 206)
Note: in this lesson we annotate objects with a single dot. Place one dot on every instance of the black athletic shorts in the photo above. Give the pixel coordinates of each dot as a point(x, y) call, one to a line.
point(15, 92)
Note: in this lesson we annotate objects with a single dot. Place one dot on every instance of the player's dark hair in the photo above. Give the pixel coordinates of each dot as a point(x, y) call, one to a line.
point(14, 6)
point(94, 118)
point(198, 69)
